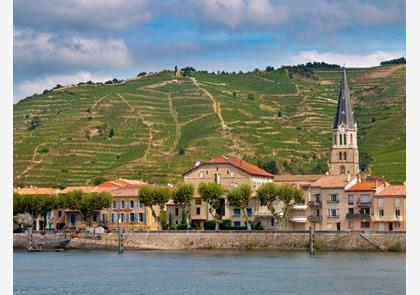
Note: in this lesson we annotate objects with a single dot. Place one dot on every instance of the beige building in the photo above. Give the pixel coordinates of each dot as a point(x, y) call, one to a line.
point(229, 172)
point(389, 209)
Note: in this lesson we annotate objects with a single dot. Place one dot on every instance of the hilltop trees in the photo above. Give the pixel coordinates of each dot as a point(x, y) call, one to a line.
point(152, 196)
point(239, 197)
point(286, 194)
point(211, 193)
point(182, 197)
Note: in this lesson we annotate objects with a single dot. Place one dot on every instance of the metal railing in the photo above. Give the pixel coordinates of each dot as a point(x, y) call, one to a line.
point(357, 215)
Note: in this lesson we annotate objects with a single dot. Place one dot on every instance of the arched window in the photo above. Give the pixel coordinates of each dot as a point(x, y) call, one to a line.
point(345, 156)
point(351, 139)
point(342, 170)
point(334, 139)
point(345, 139)
point(341, 139)
point(340, 156)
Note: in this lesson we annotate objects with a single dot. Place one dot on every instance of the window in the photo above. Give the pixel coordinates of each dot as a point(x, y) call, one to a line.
point(317, 198)
point(237, 223)
point(318, 213)
point(249, 211)
point(351, 225)
point(105, 217)
point(227, 172)
point(365, 199)
point(381, 212)
point(176, 211)
point(334, 139)
point(122, 204)
point(351, 139)
point(340, 156)
point(141, 217)
point(201, 174)
point(341, 139)
point(345, 139)
point(114, 204)
point(95, 217)
point(380, 203)
point(198, 211)
point(351, 210)
point(397, 213)
point(365, 211)
point(351, 199)
point(272, 221)
point(59, 213)
point(397, 203)
point(131, 217)
point(132, 204)
point(217, 178)
point(364, 224)
point(114, 218)
point(344, 156)
point(122, 217)
point(333, 198)
point(397, 225)
point(236, 211)
point(332, 212)
point(198, 202)
point(342, 170)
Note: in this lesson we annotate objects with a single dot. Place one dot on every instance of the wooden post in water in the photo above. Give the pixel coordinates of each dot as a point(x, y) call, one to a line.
point(29, 244)
point(120, 240)
point(312, 239)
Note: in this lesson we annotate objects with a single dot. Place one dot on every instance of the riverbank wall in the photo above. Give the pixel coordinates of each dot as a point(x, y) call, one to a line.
point(171, 240)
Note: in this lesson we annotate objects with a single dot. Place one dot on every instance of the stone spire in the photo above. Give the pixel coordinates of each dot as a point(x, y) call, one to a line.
point(344, 113)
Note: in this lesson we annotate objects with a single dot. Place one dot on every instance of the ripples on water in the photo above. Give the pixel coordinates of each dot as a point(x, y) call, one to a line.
point(209, 272)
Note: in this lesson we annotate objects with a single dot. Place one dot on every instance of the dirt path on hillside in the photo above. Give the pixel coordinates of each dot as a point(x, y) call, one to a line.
point(95, 104)
point(33, 162)
point(174, 115)
point(216, 105)
point(383, 72)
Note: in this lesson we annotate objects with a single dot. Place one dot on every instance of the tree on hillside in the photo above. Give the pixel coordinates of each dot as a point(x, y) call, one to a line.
point(269, 69)
point(268, 165)
point(152, 196)
point(111, 133)
point(182, 198)
point(211, 193)
point(239, 197)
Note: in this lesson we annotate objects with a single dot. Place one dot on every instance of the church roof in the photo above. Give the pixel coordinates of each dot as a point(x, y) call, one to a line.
point(344, 113)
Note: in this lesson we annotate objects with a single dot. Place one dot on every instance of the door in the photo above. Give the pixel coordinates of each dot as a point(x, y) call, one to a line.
point(381, 227)
point(338, 226)
point(390, 226)
point(72, 219)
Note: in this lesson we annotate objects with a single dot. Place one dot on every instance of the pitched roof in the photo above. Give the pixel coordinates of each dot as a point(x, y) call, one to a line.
point(36, 191)
point(332, 181)
point(344, 113)
point(87, 189)
point(120, 182)
point(297, 178)
point(393, 190)
point(363, 187)
point(128, 191)
point(238, 163)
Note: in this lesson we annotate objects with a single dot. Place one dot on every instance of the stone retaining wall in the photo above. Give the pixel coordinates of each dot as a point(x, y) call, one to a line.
point(224, 240)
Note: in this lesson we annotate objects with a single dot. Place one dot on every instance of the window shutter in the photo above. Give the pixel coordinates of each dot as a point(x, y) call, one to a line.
point(136, 218)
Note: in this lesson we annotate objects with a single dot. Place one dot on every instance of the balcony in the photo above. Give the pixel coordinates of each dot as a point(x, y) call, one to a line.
point(298, 219)
point(331, 201)
point(364, 204)
point(333, 216)
point(314, 218)
point(314, 204)
point(299, 207)
point(357, 216)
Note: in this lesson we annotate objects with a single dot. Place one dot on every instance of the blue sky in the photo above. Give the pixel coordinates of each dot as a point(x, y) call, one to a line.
point(64, 42)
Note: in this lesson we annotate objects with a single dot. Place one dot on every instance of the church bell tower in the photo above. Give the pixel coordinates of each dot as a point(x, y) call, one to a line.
point(344, 151)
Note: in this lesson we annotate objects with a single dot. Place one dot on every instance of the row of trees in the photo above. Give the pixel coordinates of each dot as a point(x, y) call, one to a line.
point(268, 195)
point(38, 206)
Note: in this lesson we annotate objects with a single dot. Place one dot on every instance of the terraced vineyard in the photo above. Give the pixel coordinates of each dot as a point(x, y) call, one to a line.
point(162, 124)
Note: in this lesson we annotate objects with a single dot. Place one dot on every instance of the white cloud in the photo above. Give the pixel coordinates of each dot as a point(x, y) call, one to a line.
point(56, 51)
point(350, 60)
point(28, 87)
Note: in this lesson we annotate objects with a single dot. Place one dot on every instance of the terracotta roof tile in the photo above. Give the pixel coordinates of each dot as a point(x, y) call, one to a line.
point(36, 191)
point(87, 189)
point(238, 163)
point(128, 191)
point(393, 190)
point(332, 181)
point(306, 178)
point(363, 187)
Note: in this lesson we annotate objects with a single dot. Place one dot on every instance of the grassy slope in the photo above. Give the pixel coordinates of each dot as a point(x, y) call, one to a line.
point(154, 118)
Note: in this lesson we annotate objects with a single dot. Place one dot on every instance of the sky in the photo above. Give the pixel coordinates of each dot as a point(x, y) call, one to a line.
point(69, 41)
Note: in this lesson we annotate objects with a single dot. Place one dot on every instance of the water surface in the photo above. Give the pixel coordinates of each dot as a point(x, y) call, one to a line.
point(208, 272)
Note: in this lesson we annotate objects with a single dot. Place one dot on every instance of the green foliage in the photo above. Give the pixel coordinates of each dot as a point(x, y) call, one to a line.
point(91, 202)
point(211, 193)
point(35, 123)
point(44, 150)
point(152, 196)
point(210, 225)
point(99, 180)
point(267, 194)
point(111, 133)
point(269, 69)
point(268, 165)
point(226, 223)
point(320, 166)
point(397, 61)
point(163, 219)
point(181, 151)
point(395, 247)
point(364, 160)
point(239, 197)
point(183, 194)
point(35, 205)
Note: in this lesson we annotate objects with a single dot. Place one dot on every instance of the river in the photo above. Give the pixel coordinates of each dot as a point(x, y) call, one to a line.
point(208, 272)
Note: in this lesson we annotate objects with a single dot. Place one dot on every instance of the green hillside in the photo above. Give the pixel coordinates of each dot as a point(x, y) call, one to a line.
point(162, 124)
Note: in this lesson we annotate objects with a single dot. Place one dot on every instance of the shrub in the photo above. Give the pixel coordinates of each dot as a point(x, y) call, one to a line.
point(257, 226)
point(279, 114)
point(251, 96)
point(395, 247)
point(181, 151)
point(99, 180)
point(210, 225)
point(111, 133)
point(226, 223)
point(44, 150)
point(181, 226)
point(35, 122)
